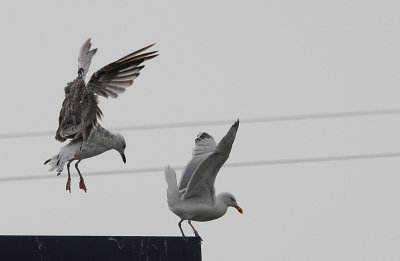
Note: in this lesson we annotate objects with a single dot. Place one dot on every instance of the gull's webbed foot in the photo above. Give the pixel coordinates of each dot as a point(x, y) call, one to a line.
point(82, 185)
point(194, 230)
point(197, 235)
point(68, 186)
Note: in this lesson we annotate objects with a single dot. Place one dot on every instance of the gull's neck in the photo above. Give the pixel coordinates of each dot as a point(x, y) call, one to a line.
point(107, 136)
point(220, 206)
point(101, 139)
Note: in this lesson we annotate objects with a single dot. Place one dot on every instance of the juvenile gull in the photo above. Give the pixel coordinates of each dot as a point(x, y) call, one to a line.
point(80, 111)
point(194, 199)
point(100, 140)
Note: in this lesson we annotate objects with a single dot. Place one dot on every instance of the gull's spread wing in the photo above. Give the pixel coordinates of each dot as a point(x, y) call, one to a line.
point(113, 78)
point(204, 146)
point(202, 182)
point(80, 110)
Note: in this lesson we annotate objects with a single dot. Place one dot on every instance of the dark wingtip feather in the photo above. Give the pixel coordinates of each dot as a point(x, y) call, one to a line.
point(236, 124)
point(149, 46)
point(151, 56)
point(135, 53)
point(141, 56)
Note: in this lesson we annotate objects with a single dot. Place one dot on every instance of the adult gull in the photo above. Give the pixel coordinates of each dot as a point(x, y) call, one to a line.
point(194, 199)
point(78, 120)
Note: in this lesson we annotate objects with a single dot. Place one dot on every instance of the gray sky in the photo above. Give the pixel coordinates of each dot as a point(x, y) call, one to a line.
point(219, 60)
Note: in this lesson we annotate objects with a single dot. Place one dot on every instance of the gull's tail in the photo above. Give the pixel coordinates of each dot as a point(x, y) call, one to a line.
point(58, 161)
point(84, 58)
point(172, 190)
point(55, 163)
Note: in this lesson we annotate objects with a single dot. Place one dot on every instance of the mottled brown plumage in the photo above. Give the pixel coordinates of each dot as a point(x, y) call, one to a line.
point(80, 110)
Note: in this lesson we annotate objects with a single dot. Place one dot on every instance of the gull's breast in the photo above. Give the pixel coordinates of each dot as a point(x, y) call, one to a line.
point(197, 211)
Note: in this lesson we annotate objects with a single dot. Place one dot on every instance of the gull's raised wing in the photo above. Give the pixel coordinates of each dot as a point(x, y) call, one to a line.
point(115, 77)
point(80, 110)
point(204, 146)
point(202, 182)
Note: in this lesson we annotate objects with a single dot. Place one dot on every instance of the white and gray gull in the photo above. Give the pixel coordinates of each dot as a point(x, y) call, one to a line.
point(80, 111)
point(194, 199)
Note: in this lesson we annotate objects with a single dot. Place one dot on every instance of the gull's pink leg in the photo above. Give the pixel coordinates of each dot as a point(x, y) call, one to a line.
point(81, 182)
point(68, 186)
point(194, 230)
point(180, 227)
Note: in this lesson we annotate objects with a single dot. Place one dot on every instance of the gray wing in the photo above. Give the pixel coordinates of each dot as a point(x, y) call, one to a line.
point(204, 146)
point(202, 182)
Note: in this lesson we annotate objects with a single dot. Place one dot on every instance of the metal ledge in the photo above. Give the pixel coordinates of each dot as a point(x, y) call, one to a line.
point(98, 248)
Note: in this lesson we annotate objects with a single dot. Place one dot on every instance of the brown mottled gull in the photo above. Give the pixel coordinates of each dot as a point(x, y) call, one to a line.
point(80, 111)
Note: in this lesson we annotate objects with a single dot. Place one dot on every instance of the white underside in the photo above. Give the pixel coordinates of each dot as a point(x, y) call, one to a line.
point(99, 141)
point(196, 210)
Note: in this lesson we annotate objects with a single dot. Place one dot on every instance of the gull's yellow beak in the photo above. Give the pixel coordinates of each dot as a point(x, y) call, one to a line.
point(239, 209)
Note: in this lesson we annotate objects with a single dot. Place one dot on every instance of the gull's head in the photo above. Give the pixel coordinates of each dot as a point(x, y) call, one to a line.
point(120, 146)
point(230, 201)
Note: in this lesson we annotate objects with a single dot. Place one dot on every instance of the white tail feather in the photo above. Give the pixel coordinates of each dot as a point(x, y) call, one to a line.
point(172, 190)
point(58, 162)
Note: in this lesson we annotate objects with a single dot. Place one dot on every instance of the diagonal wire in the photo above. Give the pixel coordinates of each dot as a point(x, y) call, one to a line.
point(229, 165)
point(296, 117)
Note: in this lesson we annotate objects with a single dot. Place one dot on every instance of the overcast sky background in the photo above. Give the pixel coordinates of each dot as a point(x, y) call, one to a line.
point(218, 60)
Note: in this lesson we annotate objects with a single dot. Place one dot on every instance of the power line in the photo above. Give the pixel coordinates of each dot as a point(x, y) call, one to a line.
point(229, 165)
point(295, 117)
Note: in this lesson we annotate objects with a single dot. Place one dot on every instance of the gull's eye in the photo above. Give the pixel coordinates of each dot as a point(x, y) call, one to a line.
point(124, 146)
